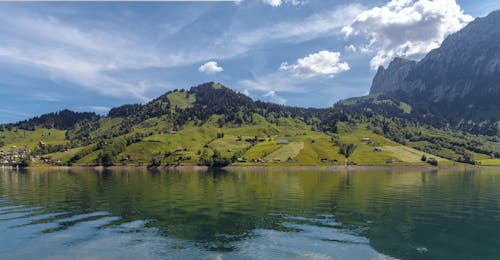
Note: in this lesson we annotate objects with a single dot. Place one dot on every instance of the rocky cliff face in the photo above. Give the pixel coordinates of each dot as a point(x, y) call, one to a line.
point(465, 69)
point(392, 78)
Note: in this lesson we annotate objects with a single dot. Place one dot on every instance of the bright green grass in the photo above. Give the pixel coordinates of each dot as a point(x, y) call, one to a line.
point(105, 126)
point(365, 153)
point(490, 162)
point(407, 154)
point(229, 145)
point(181, 99)
point(30, 139)
point(286, 151)
point(89, 160)
point(65, 156)
point(262, 149)
point(191, 138)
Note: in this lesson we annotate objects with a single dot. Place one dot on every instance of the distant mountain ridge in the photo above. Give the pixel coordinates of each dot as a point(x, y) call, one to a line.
point(461, 76)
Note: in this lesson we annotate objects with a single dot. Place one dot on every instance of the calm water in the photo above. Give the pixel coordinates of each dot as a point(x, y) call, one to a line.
point(250, 215)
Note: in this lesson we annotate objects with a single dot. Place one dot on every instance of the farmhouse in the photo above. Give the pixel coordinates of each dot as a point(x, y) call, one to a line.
point(283, 142)
point(276, 159)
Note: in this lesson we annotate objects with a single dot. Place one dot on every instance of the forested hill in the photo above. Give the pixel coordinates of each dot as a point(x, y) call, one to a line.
point(213, 125)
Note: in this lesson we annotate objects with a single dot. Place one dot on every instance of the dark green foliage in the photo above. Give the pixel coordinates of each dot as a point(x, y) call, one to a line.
point(64, 119)
point(346, 149)
point(219, 161)
point(125, 110)
point(433, 162)
point(155, 162)
point(23, 163)
point(424, 158)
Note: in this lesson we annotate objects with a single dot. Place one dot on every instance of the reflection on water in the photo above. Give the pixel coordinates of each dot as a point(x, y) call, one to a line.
point(250, 214)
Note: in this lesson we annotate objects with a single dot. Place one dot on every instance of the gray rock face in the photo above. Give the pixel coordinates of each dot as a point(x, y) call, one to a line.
point(392, 78)
point(465, 67)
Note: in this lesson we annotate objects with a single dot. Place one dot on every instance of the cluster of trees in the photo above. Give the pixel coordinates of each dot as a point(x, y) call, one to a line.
point(64, 120)
point(214, 160)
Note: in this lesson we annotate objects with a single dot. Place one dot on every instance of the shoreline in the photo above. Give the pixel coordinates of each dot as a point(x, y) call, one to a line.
point(266, 167)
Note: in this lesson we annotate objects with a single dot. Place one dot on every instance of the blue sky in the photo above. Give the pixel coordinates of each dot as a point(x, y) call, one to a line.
point(90, 56)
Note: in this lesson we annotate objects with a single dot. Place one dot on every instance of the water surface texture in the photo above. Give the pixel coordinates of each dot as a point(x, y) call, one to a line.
point(265, 214)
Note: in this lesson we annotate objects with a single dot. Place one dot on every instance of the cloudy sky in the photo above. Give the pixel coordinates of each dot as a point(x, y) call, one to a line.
point(93, 56)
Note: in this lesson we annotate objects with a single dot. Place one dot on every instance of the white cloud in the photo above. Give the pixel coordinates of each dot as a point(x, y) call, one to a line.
point(210, 67)
point(273, 97)
point(272, 2)
point(322, 24)
point(323, 63)
point(276, 3)
point(406, 28)
point(246, 92)
point(276, 81)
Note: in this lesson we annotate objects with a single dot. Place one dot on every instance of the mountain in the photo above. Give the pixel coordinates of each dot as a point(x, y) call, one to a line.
point(212, 125)
point(460, 79)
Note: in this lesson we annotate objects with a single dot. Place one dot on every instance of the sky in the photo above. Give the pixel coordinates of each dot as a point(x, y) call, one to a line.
point(91, 56)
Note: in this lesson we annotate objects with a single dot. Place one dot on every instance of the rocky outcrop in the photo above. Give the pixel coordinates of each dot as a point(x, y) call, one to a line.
point(392, 78)
point(465, 68)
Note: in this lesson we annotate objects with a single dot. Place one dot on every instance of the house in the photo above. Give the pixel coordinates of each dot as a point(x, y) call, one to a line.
point(276, 159)
point(323, 160)
point(242, 160)
point(283, 142)
point(179, 149)
point(42, 143)
point(378, 149)
point(365, 139)
point(390, 160)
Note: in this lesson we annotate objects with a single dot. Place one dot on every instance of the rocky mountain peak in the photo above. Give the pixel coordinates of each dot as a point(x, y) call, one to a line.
point(465, 67)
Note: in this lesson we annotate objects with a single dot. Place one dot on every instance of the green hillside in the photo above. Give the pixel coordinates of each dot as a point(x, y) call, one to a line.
point(215, 126)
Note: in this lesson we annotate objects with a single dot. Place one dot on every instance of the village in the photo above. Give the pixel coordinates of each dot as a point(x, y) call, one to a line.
point(20, 157)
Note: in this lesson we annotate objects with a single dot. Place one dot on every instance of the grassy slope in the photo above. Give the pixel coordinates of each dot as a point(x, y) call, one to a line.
point(30, 139)
point(490, 162)
point(365, 153)
point(179, 99)
point(306, 147)
point(65, 156)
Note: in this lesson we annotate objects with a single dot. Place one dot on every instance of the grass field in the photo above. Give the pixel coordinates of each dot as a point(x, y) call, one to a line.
point(30, 139)
point(286, 151)
point(181, 100)
point(365, 153)
point(490, 162)
point(65, 156)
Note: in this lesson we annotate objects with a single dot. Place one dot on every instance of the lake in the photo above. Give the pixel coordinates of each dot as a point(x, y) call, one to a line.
point(249, 214)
